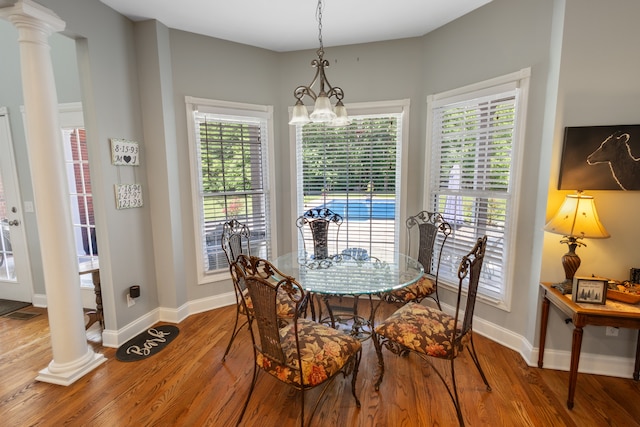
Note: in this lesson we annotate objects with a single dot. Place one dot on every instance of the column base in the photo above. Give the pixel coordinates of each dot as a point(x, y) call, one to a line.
point(68, 377)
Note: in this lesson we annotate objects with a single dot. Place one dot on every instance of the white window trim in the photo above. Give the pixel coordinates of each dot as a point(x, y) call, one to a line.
point(227, 108)
point(519, 79)
point(364, 108)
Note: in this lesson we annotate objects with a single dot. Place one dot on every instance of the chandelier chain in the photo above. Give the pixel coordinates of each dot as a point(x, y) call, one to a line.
point(319, 18)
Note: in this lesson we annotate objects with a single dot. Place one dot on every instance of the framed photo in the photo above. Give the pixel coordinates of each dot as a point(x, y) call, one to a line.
point(600, 158)
point(592, 290)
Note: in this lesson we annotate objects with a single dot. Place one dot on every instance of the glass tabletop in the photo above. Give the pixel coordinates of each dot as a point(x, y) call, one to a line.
point(349, 275)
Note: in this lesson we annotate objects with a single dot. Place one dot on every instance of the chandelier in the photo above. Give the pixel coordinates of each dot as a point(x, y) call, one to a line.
point(323, 111)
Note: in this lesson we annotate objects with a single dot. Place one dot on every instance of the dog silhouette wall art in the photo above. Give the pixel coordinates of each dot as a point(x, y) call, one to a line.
point(601, 158)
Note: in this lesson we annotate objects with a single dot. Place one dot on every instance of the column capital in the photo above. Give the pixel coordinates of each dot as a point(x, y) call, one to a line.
point(29, 13)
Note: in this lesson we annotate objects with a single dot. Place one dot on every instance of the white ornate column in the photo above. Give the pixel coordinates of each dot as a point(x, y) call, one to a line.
point(72, 356)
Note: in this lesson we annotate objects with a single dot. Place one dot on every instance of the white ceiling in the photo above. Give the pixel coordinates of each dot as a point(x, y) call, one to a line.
point(287, 25)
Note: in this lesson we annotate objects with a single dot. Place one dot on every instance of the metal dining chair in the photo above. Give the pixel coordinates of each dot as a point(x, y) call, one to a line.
point(300, 352)
point(236, 240)
point(432, 333)
point(432, 233)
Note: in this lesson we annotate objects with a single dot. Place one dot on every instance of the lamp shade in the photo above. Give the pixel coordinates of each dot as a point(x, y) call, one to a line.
point(577, 217)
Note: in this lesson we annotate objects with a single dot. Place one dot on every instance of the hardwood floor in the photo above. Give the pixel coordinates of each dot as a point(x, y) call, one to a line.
point(187, 385)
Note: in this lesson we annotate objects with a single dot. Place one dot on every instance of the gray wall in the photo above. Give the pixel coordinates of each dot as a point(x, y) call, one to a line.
point(134, 78)
point(497, 39)
point(110, 96)
point(598, 86)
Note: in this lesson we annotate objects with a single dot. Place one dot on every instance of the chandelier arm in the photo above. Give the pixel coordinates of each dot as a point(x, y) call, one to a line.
point(336, 92)
point(301, 91)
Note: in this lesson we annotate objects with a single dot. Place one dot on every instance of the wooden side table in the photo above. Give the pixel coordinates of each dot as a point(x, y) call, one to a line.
point(93, 268)
point(615, 314)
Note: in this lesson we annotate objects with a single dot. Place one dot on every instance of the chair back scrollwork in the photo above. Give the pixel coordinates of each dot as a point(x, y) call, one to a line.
point(235, 239)
point(319, 221)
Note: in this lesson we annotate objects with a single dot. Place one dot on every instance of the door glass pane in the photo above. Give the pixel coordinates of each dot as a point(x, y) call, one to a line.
point(7, 271)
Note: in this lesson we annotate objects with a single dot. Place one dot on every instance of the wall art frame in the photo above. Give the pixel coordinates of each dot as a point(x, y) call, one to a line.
point(124, 152)
point(600, 158)
point(128, 196)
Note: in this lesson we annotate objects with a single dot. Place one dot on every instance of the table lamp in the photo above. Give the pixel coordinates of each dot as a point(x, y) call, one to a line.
point(576, 219)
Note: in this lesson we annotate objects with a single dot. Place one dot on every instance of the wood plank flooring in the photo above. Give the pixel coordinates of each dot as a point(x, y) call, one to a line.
point(187, 385)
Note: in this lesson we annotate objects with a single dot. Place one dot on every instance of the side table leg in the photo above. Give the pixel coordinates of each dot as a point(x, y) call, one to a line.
point(636, 370)
point(576, 345)
point(97, 289)
point(544, 318)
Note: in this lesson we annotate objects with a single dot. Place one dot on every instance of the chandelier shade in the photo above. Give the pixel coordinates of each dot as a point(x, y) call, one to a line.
point(323, 111)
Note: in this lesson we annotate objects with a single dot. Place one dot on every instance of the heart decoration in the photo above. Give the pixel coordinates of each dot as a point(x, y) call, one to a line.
point(127, 158)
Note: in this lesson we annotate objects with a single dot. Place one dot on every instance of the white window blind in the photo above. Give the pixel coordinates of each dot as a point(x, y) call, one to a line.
point(355, 172)
point(231, 160)
point(471, 177)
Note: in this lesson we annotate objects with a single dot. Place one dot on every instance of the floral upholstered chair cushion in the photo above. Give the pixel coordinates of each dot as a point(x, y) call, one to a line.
point(422, 329)
point(417, 291)
point(324, 352)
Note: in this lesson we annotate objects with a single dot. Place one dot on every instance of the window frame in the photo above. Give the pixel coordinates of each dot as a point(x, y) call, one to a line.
point(402, 107)
point(71, 117)
point(238, 109)
point(518, 80)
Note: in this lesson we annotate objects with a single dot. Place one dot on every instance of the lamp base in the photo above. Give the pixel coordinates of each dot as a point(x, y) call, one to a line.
point(570, 263)
point(565, 287)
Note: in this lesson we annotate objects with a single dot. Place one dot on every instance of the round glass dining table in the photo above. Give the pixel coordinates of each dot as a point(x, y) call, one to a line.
point(350, 274)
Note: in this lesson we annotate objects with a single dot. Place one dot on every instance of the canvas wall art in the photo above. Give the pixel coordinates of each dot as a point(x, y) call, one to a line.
point(601, 158)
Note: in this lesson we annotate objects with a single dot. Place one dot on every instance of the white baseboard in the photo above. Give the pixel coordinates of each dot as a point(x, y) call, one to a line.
point(597, 364)
point(115, 339)
point(553, 359)
point(39, 300)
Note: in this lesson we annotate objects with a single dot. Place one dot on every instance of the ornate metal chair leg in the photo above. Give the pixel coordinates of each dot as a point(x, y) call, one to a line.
point(236, 329)
point(456, 399)
point(476, 361)
point(246, 403)
point(354, 376)
point(378, 345)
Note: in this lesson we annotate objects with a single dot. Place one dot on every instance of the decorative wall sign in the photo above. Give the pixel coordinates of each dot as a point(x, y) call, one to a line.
point(128, 196)
point(601, 158)
point(124, 152)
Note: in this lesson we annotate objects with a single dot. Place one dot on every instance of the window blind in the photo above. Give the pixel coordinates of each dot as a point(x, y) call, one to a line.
point(354, 171)
point(232, 182)
point(471, 177)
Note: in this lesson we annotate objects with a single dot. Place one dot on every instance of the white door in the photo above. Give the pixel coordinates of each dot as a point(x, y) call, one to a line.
point(15, 272)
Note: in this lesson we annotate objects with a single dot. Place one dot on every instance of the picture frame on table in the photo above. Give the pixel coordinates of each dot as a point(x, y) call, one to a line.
point(591, 290)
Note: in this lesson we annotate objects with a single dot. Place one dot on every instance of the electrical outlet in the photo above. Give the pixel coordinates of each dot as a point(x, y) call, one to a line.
point(130, 301)
point(611, 331)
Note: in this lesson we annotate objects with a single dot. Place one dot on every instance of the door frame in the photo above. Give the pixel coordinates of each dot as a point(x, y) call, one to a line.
point(22, 288)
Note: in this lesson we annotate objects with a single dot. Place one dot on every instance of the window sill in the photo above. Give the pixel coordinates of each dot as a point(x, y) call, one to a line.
point(214, 277)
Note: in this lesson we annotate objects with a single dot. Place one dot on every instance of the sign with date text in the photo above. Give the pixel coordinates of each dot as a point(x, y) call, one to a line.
point(128, 196)
point(124, 152)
